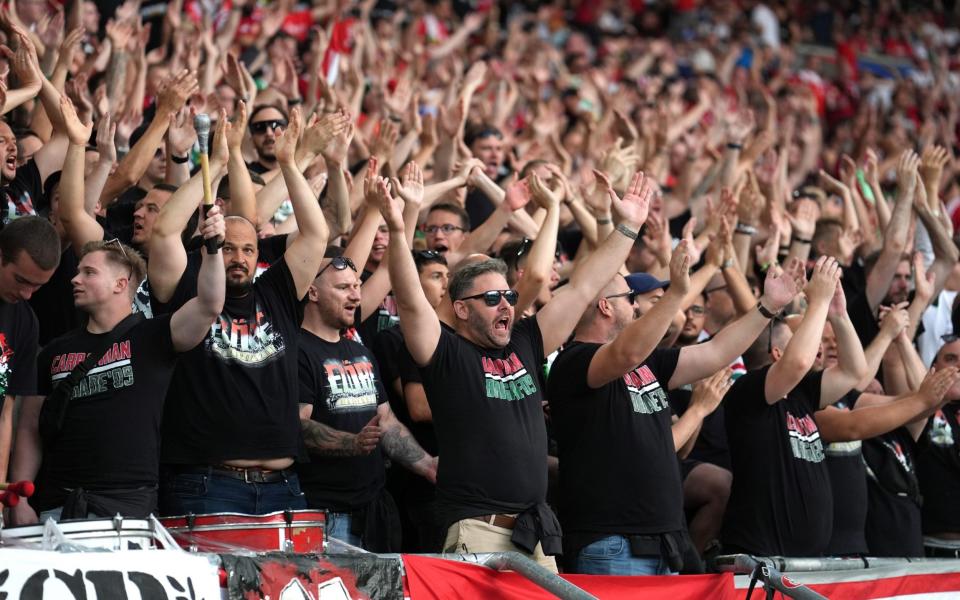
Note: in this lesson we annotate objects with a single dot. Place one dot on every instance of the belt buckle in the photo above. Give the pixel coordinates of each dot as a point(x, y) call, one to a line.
point(246, 476)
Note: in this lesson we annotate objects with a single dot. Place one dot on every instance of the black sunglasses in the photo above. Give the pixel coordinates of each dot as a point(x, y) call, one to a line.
point(262, 126)
point(949, 338)
point(339, 263)
point(492, 298)
point(427, 254)
point(631, 296)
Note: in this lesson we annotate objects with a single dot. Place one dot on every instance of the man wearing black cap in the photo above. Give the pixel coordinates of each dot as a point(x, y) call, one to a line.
point(609, 409)
point(646, 291)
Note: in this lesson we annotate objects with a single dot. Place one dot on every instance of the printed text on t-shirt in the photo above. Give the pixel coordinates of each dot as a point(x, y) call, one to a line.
point(507, 379)
point(804, 438)
point(646, 395)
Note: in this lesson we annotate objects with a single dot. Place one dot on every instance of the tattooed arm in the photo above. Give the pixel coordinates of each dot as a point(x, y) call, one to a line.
point(401, 447)
point(323, 440)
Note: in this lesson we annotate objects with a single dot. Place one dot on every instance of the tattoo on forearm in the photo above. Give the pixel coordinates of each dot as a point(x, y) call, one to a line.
point(323, 440)
point(401, 447)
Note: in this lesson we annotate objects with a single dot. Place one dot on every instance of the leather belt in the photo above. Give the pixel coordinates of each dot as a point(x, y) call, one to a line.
point(251, 475)
point(505, 521)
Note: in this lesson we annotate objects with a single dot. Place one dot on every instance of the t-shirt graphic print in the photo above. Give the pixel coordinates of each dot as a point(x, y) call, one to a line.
point(646, 394)
point(804, 438)
point(352, 384)
point(249, 342)
point(112, 372)
point(507, 378)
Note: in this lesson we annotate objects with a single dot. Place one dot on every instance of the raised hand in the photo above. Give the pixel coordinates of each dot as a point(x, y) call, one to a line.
point(894, 319)
point(177, 91)
point(542, 195)
point(633, 209)
point(517, 195)
point(391, 208)
point(106, 132)
point(213, 227)
point(219, 152)
point(838, 303)
point(332, 136)
point(823, 283)
point(907, 173)
point(923, 281)
point(804, 218)
point(767, 253)
point(286, 144)
point(237, 128)
point(692, 250)
point(180, 133)
point(708, 393)
point(781, 286)
point(680, 269)
point(410, 185)
point(78, 133)
point(932, 162)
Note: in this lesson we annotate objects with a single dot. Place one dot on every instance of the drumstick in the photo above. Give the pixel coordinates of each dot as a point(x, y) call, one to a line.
point(20, 488)
point(201, 123)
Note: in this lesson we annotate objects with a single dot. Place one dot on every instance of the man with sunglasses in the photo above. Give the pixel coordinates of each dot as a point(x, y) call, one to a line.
point(608, 393)
point(482, 380)
point(346, 419)
point(266, 123)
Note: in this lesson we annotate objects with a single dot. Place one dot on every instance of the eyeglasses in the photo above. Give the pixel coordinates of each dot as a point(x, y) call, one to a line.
point(262, 126)
point(119, 245)
point(339, 263)
point(631, 296)
point(949, 338)
point(447, 229)
point(492, 298)
point(695, 309)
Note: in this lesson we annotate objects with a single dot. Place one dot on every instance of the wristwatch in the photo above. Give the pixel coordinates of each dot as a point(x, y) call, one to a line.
point(765, 312)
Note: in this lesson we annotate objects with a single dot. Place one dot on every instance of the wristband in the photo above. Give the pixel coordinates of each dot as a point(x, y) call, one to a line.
point(766, 313)
point(633, 235)
point(746, 229)
point(734, 146)
point(801, 240)
point(604, 221)
point(179, 159)
point(727, 264)
point(294, 101)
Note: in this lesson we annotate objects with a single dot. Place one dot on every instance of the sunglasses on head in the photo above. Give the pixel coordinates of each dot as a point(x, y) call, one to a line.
point(262, 126)
point(339, 263)
point(492, 298)
point(949, 338)
point(426, 254)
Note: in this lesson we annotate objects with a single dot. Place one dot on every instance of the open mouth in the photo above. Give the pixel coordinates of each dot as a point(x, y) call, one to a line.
point(440, 248)
point(501, 323)
point(11, 163)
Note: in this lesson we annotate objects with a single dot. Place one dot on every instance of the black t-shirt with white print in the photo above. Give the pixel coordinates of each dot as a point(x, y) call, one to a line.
point(18, 350)
point(938, 469)
point(619, 472)
point(780, 503)
point(234, 396)
point(488, 414)
point(893, 525)
point(848, 482)
point(111, 434)
point(341, 381)
point(23, 195)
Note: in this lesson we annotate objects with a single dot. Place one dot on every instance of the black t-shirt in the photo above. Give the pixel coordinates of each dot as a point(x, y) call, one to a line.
point(342, 383)
point(938, 469)
point(893, 508)
point(385, 317)
point(18, 350)
point(487, 410)
point(111, 434)
point(53, 302)
point(711, 444)
point(24, 195)
point(855, 289)
point(848, 482)
point(618, 465)
point(780, 503)
point(257, 167)
point(234, 396)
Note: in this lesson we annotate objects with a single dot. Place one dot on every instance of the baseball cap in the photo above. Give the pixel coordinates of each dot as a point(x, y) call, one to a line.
point(641, 283)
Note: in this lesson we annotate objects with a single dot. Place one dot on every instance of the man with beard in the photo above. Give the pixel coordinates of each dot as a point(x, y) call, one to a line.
point(345, 417)
point(267, 123)
point(231, 425)
point(482, 380)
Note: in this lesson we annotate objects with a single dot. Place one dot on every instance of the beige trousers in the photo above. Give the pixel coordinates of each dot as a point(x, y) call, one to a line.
point(472, 536)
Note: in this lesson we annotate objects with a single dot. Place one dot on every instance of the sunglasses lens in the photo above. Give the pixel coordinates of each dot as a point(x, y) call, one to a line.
point(511, 296)
point(491, 298)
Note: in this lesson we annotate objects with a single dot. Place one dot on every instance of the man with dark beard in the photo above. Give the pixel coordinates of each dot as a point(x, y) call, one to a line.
point(231, 427)
point(267, 123)
point(345, 416)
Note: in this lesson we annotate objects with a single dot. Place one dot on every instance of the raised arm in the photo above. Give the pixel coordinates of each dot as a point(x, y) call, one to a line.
point(418, 320)
point(851, 364)
point(107, 157)
point(892, 322)
point(168, 258)
point(304, 254)
point(634, 344)
point(243, 197)
point(559, 316)
point(801, 350)
point(895, 234)
point(945, 251)
point(700, 360)
point(706, 397)
point(80, 226)
point(536, 271)
point(192, 321)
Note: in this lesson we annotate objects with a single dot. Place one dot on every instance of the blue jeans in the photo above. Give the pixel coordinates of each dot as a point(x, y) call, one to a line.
point(338, 527)
point(206, 493)
point(611, 556)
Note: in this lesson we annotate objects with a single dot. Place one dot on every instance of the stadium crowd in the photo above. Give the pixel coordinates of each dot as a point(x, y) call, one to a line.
point(620, 285)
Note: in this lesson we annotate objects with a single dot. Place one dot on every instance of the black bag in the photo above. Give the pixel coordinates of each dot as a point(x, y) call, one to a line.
point(54, 410)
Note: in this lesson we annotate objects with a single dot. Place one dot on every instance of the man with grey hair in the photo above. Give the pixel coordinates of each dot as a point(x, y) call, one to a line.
point(484, 386)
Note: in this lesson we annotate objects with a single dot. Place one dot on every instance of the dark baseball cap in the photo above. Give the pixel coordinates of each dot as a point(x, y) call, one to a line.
point(641, 283)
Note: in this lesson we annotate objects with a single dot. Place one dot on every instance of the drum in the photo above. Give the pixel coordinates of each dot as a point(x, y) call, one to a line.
point(300, 531)
point(108, 534)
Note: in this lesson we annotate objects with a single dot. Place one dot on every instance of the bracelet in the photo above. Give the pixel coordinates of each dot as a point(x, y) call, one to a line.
point(294, 101)
point(801, 240)
point(734, 146)
point(179, 159)
point(727, 264)
point(746, 229)
point(604, 221)
point(766, 266)
point(633, 235)
point(765, 312)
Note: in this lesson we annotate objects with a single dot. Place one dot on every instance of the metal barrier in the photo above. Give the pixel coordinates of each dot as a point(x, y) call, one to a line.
point(514, 561)
point(764, 570)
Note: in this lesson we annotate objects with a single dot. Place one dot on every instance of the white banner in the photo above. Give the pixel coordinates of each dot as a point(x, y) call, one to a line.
point(132, 575)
